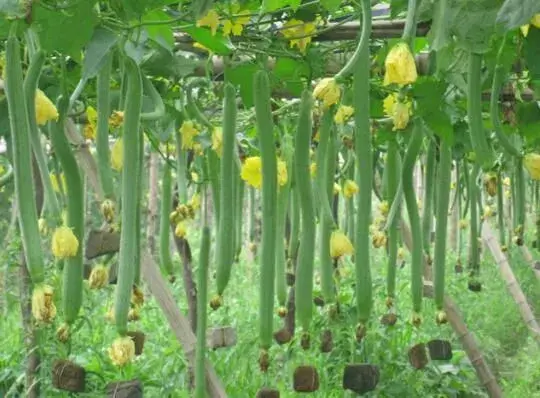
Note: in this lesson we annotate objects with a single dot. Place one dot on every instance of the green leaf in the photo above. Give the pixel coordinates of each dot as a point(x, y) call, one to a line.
point(531, 48)
point(428, 93)
point(474, 23)
point(217, 43)
point(515, 13)
point(291, 74)
point(272, 5)
point(242, 76)
point(160, 33)
point(439, 123)
point(331, 5)
point(101, 43)
point(528, 117)
point(161, 62)
point(66, 31)
point(13, 8)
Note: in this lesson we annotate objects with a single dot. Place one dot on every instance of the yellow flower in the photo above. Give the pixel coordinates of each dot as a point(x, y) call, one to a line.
point(217, 140)
point(45, 109)
point(180, 230)
point(535, 21)
point(343, 114)
point(43, 308)
point(195, 201)
point(117, 155)
point(328, 91)
point(211, 19)
point(531, 162)
point(384, 207)
point(122, 351)
point(299, 33)
point(398, 111)
point(350, 188)
point(506, 181)
point(54, 182)
point(194, 176)
point(99, 277)
point(116, 119)
point(252, 171)
point(337, 188)
point(488, 211)
point(90, 127)
point(400, 65)
point(64, 243)
point(282, 173)
point(379, 239)
point(340, 245)
point(188, 131)
point(236, 25)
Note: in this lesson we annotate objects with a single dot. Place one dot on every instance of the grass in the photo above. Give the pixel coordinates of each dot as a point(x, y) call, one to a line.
point(491, 315)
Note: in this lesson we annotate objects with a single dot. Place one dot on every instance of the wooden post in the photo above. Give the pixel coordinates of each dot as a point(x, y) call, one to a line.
point(152, 276)
point(511, 282)
point(179, 324)
point(488, 381)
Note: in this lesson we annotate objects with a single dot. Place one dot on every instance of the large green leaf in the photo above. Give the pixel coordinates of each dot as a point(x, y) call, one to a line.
point(290, 75)
point(160, 62)
point(160, 33)
point(515, 13)
point(428, 93)
point(217, 43)
point(272, 5)
point(528, 117)
point(66, 31)
point(474, 23)
point(531, 49)
point(101, 43)
point(331, 5)
point(439, 123)
point(12, 8)
point(242, 76)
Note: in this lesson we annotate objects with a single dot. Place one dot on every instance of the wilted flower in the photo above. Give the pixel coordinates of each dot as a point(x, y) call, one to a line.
point(122, 351)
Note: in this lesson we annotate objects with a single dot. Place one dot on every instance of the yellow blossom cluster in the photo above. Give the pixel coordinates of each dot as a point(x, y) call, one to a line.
point(299, 33)
point(251, 172)
point(234, 26)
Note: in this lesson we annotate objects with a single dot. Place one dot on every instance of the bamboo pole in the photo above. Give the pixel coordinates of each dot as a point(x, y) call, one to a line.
point(152, 276)
point(511, 282)
point(466, 338)
point(535, 265)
